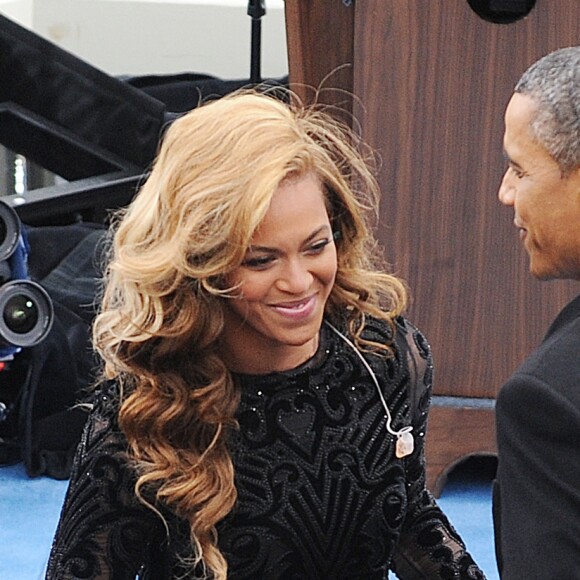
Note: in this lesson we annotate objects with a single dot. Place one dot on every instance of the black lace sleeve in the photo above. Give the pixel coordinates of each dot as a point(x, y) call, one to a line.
point(429, 546)
point(104, 532)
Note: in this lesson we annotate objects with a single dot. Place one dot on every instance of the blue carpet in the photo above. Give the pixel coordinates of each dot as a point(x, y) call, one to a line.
point(30, 510)
point(466, 500)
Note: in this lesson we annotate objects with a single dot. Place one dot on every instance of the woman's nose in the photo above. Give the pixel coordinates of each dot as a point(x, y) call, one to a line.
point(295, 277)
point(506, 193)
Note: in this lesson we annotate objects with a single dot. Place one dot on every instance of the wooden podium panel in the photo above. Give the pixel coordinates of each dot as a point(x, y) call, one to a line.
point(428, 89)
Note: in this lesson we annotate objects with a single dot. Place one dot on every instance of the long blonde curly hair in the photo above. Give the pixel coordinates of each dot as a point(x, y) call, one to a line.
point(161, 316)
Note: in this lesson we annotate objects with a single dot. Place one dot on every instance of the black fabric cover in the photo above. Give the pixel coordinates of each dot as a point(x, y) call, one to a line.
point(46, 382)
point(65, 90)
point(185, 91)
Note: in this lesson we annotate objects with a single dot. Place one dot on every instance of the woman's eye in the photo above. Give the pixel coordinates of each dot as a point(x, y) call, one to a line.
point(317, 247)
point(258, 262)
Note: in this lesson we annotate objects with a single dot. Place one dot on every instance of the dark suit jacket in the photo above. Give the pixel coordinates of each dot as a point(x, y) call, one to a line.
point(537, 490)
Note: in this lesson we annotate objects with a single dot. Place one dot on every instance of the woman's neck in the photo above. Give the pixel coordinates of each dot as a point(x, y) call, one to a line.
point(249, 357)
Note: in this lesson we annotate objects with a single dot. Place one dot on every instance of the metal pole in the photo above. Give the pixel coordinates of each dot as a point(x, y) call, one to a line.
point(256, 9)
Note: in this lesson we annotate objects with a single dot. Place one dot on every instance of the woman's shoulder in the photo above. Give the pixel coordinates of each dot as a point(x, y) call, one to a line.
point(401, 333)
point(102, 429)
point(414, 338)
point(106, 396)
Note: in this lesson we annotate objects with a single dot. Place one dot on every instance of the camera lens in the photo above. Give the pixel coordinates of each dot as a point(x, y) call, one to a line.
point(20, 314)
point(26, 313)
point(9, 230)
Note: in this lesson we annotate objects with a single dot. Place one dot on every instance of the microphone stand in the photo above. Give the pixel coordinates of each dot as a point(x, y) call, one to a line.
point(256, 10)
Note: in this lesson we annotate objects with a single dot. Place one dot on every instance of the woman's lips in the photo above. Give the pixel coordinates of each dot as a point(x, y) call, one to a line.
point(296, 309)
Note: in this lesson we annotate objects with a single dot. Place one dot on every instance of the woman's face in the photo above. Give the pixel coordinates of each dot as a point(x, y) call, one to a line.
point(284, 283)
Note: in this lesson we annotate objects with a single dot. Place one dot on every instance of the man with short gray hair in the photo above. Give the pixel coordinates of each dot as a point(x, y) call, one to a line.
point(537, 489)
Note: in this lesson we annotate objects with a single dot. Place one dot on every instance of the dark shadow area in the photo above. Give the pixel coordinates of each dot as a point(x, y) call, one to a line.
point(474, 470)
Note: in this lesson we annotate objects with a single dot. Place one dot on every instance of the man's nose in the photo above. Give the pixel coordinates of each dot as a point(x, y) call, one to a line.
point(506, 193)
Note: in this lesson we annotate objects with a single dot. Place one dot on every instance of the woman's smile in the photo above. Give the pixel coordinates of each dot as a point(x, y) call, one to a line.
point(284, 282)
point(297, 309)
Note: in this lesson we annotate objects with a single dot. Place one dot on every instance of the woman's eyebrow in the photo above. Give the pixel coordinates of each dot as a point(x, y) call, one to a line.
point(313, 235)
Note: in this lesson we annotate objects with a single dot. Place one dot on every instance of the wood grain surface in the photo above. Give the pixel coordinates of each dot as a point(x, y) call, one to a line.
point(428, 87)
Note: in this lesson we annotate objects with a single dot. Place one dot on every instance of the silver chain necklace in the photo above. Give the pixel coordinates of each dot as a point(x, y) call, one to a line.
point(405, 443)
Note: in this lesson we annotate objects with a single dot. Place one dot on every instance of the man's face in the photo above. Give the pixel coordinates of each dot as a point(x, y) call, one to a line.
point(546, 205)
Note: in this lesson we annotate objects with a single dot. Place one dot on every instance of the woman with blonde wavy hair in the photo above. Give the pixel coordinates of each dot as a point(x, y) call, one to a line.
point(264, 400)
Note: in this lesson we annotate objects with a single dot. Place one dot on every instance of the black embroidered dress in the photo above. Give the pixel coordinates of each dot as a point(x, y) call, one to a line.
point(321, 494)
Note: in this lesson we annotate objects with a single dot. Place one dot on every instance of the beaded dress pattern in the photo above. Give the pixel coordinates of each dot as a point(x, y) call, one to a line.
point(321, 493)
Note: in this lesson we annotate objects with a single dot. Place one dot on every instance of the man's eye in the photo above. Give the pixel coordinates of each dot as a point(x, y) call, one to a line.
point(517, 172)
point(258, 262)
